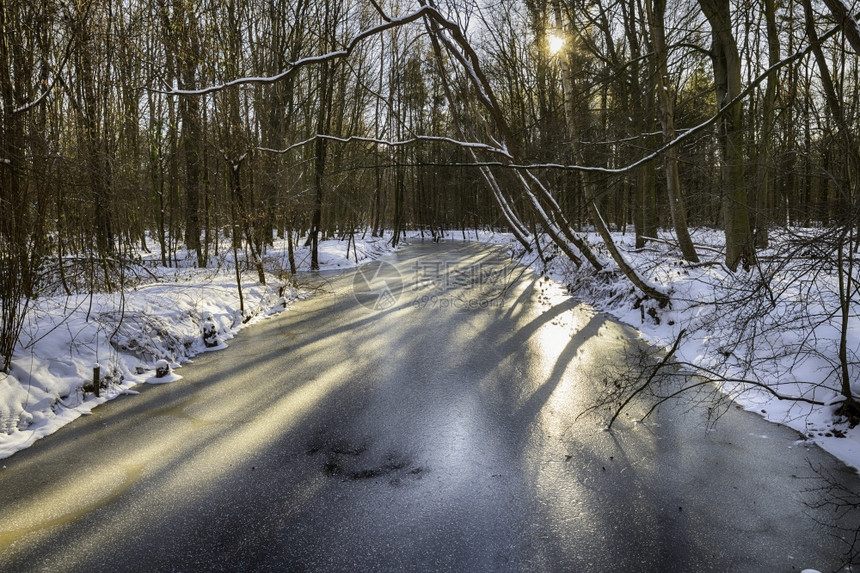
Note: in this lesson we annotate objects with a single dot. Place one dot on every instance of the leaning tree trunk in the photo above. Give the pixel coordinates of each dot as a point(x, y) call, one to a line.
point(544, 205)
point(575, 125)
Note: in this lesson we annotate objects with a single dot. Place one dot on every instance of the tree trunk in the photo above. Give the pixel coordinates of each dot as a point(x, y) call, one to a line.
point(836, 110)
point(847, 21)
point(320, 147)
point(574, 125)
point(321, 144)
point(727, 79)
point(642, 109)
point(677, 205)
point(13, 76)
point(765, 192)
point(182, 33)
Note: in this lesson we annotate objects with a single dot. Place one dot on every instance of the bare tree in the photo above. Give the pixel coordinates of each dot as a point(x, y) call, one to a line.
point(656, 11)
point(727, 80)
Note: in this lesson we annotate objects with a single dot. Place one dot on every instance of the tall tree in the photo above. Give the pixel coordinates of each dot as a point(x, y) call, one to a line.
point(325, 87)
point(727, 80)
point(656, 10)
point(188, 58)
point(16, 80)
point(642, 118)
point(764, 193)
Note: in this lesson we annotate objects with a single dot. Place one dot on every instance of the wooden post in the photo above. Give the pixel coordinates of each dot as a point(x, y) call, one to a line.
point(97, 379)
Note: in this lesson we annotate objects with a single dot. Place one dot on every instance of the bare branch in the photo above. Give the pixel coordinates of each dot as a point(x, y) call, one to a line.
point(711, 376)
point(373, 140)
point(651, 376)
point(295, 66)
point(469, 59)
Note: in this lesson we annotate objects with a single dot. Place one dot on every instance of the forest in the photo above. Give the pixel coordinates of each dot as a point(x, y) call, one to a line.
point(222, 124)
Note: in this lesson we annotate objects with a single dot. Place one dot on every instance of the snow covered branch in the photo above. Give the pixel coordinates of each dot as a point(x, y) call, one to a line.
point(295, 66)
point(388, 143)
point(469, 59)
point(657, 153)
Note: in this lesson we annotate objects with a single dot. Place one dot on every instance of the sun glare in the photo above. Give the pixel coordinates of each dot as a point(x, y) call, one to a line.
point(555, 43)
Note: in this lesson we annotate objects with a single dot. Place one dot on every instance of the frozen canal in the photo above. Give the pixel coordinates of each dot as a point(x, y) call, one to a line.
point(418, 415)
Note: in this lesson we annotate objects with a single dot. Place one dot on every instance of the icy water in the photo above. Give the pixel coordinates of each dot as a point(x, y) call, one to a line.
point(419, 414)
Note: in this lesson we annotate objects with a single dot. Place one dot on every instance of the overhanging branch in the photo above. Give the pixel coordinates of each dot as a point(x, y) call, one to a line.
point(469, 57)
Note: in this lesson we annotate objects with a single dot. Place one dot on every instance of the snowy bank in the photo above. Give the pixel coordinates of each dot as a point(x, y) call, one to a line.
point(127, 333)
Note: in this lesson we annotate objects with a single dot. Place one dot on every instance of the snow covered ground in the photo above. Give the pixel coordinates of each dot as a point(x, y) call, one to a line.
point(127, 333)
point(790, 348)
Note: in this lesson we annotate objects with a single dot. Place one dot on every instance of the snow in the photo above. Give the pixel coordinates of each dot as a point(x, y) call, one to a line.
point(790, 349)
point(128, 333)
point(172, 377)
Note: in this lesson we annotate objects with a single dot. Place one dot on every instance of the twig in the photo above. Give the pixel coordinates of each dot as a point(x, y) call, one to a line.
point(651, 376)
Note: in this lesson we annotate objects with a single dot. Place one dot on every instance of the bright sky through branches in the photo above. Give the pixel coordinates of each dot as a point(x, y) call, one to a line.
point(555, 43)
